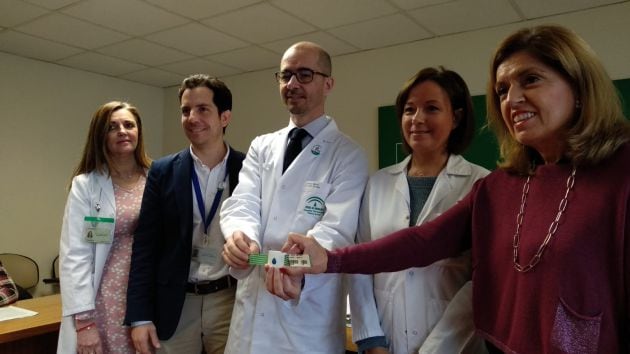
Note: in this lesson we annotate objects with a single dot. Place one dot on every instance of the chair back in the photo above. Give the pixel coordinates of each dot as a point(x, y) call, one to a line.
point(22, 269)
point(54, 272)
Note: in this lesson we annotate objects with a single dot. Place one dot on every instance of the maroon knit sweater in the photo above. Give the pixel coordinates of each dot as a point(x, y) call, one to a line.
point(576, 300)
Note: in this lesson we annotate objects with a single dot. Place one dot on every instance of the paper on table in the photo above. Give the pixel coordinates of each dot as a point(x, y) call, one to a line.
point(12, 312)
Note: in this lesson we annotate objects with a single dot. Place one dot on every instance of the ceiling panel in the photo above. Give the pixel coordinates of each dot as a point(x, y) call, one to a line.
point(414, 4)
point(197, 66)
point(65, 29)
point(33, 47)
point(141, 51)
point(199, 9)
point(52, 4)
point(465, 15)
point(138, 18)
point(14, 12)
point(334, 13)
point(101, 64)
point(381, 32)
point(259, 23)
point(539, 8)
point(158, 42)
point(197, 39)
point(332, 44)
point(154, 77)
point(248, 58)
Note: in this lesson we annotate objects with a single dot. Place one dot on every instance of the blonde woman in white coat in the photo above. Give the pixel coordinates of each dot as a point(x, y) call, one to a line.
point(411, 311)
point(96, 232)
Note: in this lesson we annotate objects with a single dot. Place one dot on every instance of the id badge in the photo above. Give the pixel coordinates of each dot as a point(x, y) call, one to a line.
point(98, 230)
point(205, 255)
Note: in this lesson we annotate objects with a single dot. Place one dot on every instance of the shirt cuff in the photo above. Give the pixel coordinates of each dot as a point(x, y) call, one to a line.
point(372, 342)
point(85, 315)
point(139, 323)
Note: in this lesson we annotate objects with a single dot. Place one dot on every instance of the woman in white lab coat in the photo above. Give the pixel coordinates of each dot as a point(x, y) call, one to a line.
point(96, 236)
point(413, 308)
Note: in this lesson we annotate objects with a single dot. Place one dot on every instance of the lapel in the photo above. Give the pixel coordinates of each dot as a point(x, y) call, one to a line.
point(183, 191)
point(234, 164)
point(106, 198)
point(444, 184)
point(312, 153)
point(400, 184)
point(399, 175)
point(278, 148)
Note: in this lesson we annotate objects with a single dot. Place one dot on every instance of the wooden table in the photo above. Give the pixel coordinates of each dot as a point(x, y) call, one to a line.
point(34, 334)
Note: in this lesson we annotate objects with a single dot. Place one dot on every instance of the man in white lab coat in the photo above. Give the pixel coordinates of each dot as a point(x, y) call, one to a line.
point(318, 193)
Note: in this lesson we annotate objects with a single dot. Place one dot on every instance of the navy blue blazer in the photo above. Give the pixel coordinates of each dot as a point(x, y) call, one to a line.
point(162, 245)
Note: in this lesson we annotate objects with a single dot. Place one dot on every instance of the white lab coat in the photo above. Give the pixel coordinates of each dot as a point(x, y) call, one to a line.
point(409, 303)
point(80, 262)
point(267, 205)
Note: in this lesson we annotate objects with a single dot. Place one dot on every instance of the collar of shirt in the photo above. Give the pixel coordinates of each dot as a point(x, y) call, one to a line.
point(313, 128)
point(209, 179)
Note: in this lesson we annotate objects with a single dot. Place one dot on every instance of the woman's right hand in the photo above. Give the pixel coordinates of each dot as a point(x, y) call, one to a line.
point(306, 245)
point(89, 341)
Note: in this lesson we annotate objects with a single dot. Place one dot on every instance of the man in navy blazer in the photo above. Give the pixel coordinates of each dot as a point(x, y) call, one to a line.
point(180, 295)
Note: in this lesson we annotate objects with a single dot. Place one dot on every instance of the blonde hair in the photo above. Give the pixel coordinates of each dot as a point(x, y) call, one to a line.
point(598, 128)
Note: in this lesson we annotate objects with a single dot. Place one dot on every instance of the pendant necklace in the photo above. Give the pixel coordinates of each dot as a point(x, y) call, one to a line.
point(552, 228)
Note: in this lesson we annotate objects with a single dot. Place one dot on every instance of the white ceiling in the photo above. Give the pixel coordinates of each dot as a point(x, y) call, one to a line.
point(157, 42)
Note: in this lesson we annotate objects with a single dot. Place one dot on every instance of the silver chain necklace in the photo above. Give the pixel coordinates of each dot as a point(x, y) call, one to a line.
point(552, 228)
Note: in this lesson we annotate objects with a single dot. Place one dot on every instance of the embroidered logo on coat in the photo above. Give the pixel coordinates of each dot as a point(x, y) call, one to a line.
point(315, 206)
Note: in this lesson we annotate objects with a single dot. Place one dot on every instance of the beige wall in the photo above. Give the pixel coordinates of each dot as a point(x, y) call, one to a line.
point(367, 80)
point(45, 112)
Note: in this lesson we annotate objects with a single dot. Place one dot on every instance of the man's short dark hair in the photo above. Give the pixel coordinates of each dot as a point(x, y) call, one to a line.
point(222, 97)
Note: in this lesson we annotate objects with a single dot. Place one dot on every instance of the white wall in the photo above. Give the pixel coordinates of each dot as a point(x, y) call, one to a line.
point(367, 80)
point(45, 112)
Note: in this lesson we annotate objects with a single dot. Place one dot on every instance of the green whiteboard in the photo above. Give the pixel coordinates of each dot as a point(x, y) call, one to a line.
point(482, 151)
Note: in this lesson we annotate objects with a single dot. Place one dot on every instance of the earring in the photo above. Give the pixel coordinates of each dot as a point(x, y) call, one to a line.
point(578, 104)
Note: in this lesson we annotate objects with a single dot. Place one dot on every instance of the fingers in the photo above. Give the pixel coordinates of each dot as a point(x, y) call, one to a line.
point(89, 341)
point(293, 249)
point(237, 249)
point(296, 271)
point(155, 341)
point(253, 248)
point(295, 241)
point(145, 338)
point(282, 285)
point(308, 245)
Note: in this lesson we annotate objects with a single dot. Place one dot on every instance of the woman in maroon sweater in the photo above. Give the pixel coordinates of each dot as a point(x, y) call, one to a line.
point(549, 230)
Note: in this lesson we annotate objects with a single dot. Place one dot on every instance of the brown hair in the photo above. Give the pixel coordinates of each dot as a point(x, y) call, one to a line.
point(95, 155)
point(461, 105)
point(599, 127)
point(221, 95)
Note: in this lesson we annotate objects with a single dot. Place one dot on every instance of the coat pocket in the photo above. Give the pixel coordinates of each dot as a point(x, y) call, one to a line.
point(575, 333)
point(312, 205)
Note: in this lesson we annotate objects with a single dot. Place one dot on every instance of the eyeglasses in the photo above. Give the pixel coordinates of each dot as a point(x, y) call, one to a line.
point(304, 75)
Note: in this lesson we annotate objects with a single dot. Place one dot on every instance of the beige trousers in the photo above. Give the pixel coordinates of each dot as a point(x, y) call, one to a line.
point(205, 321)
